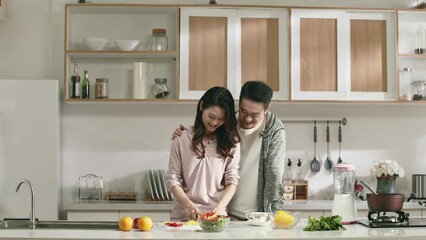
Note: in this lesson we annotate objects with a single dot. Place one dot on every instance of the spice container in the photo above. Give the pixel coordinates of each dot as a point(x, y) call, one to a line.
point(418, 89)
point(160, 88)
point(405, 84)
point(101, 88)
point(159, 39)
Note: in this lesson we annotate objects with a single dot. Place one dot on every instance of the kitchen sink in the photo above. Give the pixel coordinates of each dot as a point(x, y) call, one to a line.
point(59, 224)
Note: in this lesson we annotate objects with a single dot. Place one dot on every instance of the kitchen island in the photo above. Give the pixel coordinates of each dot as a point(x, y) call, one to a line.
point(235, 230)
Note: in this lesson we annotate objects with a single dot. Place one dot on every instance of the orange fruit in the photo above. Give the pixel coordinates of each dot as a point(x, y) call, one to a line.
point(145, 223)
point(125, 223)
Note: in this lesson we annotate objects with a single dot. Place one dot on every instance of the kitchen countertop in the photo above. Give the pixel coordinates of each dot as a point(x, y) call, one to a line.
point(236, 230)
point(309, 205)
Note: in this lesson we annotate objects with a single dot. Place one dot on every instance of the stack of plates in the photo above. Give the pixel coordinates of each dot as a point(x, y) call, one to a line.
point(157, 185)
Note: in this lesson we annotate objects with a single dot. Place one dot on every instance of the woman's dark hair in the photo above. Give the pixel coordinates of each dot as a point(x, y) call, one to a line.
point(226, 135)
point(257, 91)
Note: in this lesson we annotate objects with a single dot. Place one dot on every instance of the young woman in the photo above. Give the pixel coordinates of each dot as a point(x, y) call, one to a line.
point(203, 164)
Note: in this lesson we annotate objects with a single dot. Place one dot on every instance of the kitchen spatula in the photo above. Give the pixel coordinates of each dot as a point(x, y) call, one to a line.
point(328, 163)
point(315, 164)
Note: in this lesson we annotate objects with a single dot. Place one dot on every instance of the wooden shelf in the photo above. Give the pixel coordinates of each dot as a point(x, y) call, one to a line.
point(84, 54)
point(412, 55)
point(299, 191)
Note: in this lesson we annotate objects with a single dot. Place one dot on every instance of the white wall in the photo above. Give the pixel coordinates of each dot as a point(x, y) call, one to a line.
point(124, 140)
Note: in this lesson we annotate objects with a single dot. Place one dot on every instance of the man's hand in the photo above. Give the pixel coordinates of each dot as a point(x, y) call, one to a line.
point(178, 131)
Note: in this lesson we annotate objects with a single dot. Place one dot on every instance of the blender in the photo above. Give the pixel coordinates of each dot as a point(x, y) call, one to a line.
point(344, 197)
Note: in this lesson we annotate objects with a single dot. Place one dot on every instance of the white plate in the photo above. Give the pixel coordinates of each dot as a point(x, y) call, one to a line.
point(153, 185)
point(163, 183)
point(257, 223)
point(151, 192)
point(158, 184)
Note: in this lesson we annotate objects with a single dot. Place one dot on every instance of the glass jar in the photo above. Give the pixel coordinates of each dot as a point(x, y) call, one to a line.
point(160, 88)
point(420, 47)
point(344, 178)
point(159, 39)
point(101, 88)
point(418, 89)
point(405, 84)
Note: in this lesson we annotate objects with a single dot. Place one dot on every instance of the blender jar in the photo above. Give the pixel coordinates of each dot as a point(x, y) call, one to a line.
point(344, 178)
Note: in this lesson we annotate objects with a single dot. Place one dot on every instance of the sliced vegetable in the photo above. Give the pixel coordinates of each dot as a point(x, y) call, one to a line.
point(174, 224)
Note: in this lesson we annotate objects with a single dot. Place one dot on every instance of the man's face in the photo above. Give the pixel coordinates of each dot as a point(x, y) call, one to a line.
point(250, 113)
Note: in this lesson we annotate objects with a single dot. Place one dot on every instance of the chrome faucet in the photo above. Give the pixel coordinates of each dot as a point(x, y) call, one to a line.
point(32, 214)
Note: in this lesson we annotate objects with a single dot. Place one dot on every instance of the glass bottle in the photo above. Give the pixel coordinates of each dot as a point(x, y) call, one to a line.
point(288, 174)
point(159, 39)
point(75, 83)
point(160, 88)
point(420, 47)
point(405, 84)
point(85, 93)
point(299, 173)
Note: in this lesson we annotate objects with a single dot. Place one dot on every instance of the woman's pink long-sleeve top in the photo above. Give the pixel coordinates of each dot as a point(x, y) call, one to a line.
point(202, 180)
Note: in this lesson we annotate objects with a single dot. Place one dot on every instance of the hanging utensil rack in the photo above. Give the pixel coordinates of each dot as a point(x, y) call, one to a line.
point(343, 121)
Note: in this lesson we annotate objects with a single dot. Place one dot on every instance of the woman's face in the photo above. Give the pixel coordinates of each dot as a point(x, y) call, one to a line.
point(213, 117)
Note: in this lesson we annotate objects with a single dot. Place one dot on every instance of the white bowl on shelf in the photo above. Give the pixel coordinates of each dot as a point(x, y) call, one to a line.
point(95, 43)
point(127, 45)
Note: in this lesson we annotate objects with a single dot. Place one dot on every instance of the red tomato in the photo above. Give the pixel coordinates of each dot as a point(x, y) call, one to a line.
point(174, 224)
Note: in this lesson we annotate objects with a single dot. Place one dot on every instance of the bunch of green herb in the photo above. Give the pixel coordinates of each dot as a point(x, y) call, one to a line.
point(324, 223)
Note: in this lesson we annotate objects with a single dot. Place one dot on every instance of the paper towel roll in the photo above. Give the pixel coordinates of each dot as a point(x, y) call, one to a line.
point(141, 72)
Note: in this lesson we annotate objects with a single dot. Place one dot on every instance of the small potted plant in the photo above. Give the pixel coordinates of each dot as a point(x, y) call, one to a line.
point(386, 172)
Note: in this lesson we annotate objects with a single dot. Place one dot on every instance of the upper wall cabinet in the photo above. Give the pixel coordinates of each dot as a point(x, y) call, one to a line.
point(131, 72)
point(227, 47)
point(412, 49)
point(342, 55)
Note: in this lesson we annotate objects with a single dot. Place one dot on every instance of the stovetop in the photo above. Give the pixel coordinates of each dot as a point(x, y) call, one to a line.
point(412, 222)
point(383, 219)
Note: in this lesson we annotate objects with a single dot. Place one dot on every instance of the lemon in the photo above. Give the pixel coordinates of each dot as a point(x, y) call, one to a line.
point(283, 219)
point(125, 223)
point(145, 223)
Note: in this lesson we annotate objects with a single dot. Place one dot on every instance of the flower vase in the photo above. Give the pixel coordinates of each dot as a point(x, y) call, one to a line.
point(386, 184)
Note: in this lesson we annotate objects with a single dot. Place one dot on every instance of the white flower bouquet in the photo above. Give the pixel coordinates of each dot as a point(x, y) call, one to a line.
point(387, 168)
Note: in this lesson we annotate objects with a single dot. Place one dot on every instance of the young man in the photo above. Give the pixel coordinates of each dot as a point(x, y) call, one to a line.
point(262, 145)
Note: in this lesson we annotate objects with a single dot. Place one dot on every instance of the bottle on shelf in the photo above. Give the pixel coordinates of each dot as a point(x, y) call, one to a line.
point(299, 174)
point(288, 173)
point(420, 47)
point(85, 91)
point(75, 82)
point(405, 84)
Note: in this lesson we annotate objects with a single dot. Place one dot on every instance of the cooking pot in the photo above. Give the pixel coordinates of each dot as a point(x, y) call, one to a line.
point(385, 202)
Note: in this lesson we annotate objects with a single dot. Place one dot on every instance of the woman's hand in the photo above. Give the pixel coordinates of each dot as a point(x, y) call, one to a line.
point(192, 211)
point(178, 131)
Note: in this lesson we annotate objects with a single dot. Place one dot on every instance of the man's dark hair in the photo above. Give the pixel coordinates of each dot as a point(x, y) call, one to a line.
point(257, 91)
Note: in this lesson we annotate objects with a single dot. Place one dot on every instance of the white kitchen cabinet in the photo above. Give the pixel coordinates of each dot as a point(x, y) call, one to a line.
point(84, 215)
point(342, 55)
point(229, 46)
point(156, 216)
point(120, 22)
point(409, 24)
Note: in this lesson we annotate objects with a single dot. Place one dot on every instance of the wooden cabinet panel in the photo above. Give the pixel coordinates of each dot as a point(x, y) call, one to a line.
point(259, 51)
point(208, 52)
point(368, 55)
point(318, 54)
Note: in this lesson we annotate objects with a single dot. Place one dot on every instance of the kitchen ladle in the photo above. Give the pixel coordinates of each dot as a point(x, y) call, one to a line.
point(340, 143)
point(328, 163)
point(315, 164)
point(368, 187)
